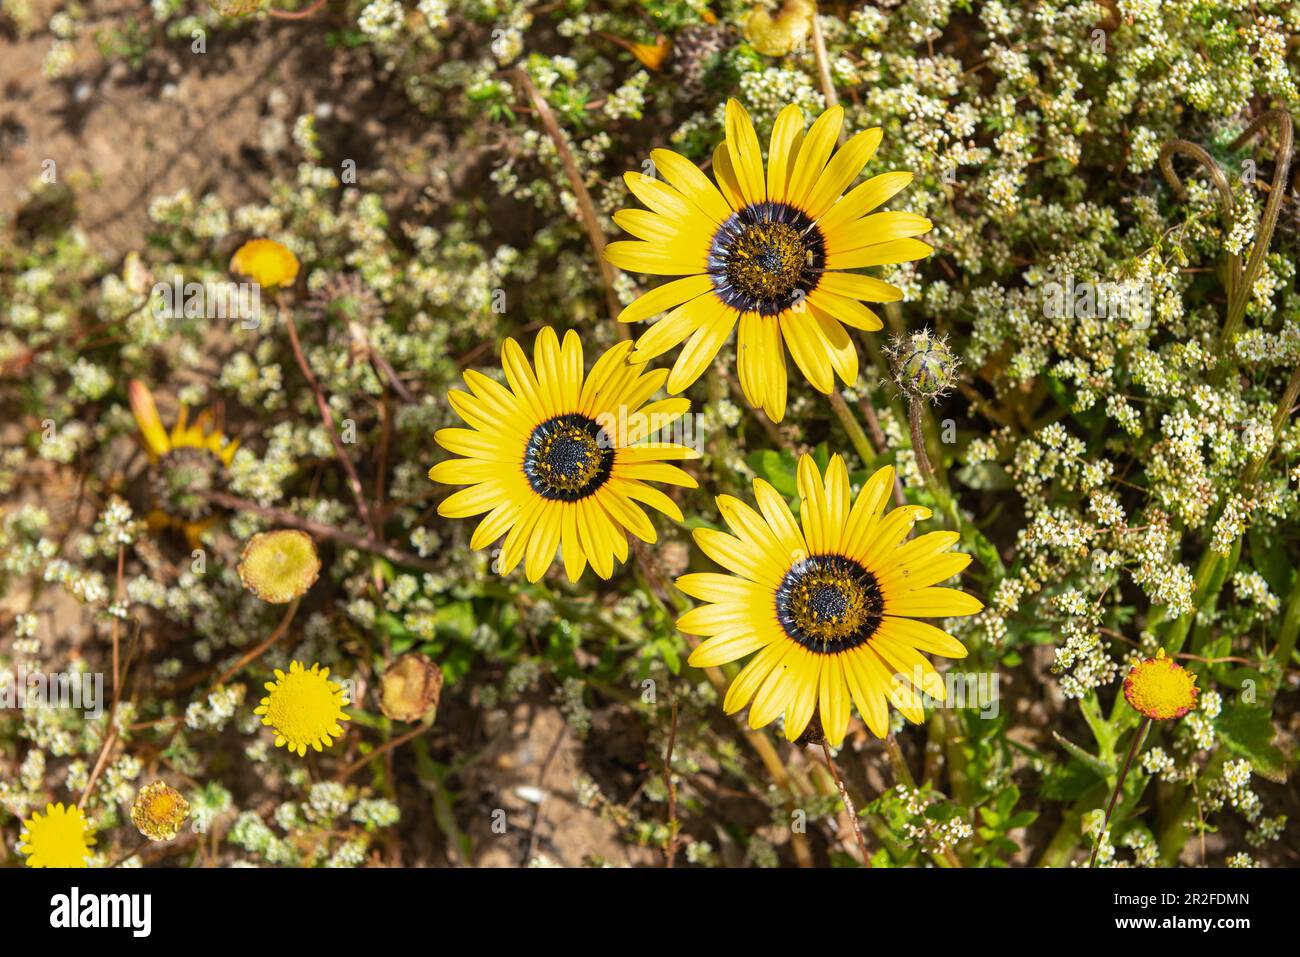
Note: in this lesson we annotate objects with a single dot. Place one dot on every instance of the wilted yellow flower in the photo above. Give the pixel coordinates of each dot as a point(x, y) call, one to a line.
point(411, 688)
point(266, 262)
point(788, 30)
point(61, 838)
point(1160, 688)
point(650, 55)
point(185, 463)
point(159, 811)
point(279, 566)
point(303, 708)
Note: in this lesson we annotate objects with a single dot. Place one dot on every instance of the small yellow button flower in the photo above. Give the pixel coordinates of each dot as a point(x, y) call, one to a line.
point(61, 838)
point(1160, 688)
point(266, 262)
point(303, 708)
point(159, 811)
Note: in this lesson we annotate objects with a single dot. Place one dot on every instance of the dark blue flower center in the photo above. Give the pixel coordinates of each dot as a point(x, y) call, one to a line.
point(568, 458)
point(829, 603)
point(766, 258)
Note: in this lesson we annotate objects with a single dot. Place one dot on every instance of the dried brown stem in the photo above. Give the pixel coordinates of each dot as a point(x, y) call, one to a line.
point(302, 14)
point(354, 480)
point(1138, 738)
point(247, 658)
point(824, 69)
point(670, 849)
point(849, 807)
point(319, 529)
point(590, 220)
point(384, 748)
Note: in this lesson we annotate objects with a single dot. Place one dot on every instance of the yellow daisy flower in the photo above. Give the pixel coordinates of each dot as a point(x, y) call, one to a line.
point(1160, 688)
point(303, 708)
point(266, 262)
point(185, 461)
point(61, 838)
point(772, 250)
point(556, 460)
point(830, 607)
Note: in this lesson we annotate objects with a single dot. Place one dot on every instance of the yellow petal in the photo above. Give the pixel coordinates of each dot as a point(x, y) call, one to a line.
point(146, 418)
point(691, 181)
point(863, 199)
point(667, 296)
point(745, 153)
point(816, 149)
point(787, 136)
point(842, 170)
point(933, 603)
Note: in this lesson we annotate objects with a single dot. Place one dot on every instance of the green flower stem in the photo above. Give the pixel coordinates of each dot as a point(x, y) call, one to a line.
point(856, 436)
point(1138, 738)
point(724, 446)
point(958, 761)
point(1290, 628)
point(920, 447)
point(1067, 836)
point(1240, 297)
point(974, 540)
point(902, 773)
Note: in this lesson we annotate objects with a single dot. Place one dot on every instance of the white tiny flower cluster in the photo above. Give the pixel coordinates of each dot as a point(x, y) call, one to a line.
point(1233, 788)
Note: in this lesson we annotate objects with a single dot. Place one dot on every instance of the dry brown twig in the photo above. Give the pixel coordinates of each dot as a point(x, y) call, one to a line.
point(354, 480)
point(595, 236)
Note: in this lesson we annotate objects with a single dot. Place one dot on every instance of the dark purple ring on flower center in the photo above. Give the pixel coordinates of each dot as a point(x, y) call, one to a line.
point(568, 458)
point(766, 258)
point(829, 604)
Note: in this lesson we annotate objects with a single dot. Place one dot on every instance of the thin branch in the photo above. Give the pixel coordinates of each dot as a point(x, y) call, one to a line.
point(590, 220)
point(848, 805)
point(670, 850)
point(302, 14)
point(1138, 737)
point(320, 529)
point(824, 69)
point(1186, 148)
point(354, 480)
point(280, 631)
point(384, 748)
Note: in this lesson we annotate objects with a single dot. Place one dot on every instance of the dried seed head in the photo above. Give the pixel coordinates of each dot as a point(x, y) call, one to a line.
point(159, 811)
point(411, 688)
point(924, 366)
point(279, 566)
point(179, 480)
point(236, 8)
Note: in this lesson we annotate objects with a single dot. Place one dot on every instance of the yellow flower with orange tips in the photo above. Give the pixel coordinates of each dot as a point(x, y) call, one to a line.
point(559, 460)
point(827, 605)
point(1160, 688)
point(772, 250)
point(185, 462)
